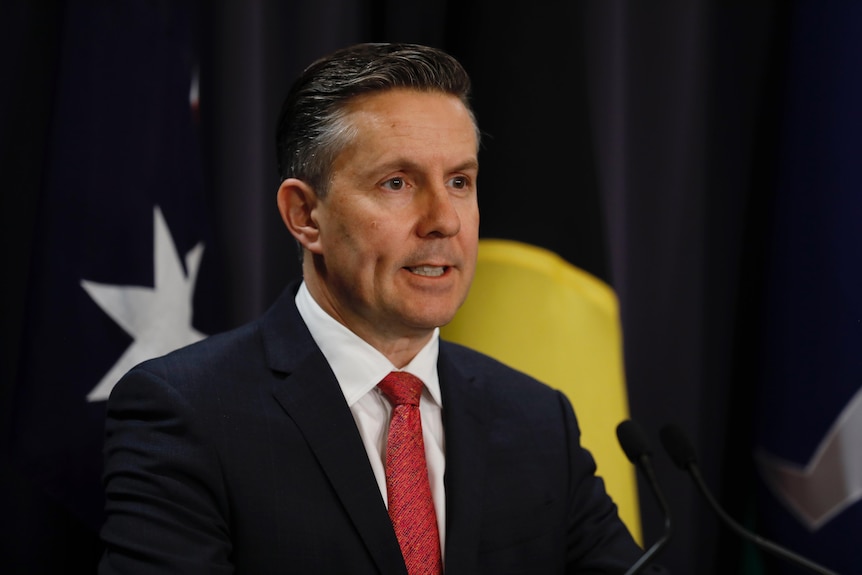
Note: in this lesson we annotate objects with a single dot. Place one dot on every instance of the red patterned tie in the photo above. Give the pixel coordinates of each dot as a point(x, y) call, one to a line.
point(411, 507)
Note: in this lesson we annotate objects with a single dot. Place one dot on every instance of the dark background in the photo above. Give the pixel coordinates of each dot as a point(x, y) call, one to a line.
point(637, 139)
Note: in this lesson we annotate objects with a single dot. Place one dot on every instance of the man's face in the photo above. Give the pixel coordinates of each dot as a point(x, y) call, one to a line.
point(399, 227)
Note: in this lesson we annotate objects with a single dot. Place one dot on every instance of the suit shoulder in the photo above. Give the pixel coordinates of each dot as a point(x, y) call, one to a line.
point(212, 347)
point(467, 355)
point(474, 363)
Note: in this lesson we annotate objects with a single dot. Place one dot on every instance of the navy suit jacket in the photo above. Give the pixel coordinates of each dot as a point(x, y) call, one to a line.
point(240, 454)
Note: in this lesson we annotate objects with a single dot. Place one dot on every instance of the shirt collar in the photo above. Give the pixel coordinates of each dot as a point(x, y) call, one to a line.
point(357, 365)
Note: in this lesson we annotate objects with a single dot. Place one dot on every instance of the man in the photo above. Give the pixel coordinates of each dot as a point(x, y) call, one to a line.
point(267, 449)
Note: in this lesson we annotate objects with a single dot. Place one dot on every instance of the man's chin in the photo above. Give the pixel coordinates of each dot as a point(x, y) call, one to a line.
point(429, 322)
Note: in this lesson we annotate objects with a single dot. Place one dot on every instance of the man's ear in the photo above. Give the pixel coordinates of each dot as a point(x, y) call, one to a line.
point(297, 204)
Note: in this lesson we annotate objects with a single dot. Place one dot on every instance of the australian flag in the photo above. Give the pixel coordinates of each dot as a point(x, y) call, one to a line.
point(123, 263)
point(809, 427)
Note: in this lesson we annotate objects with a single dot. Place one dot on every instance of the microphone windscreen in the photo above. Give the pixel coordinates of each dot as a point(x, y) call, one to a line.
point(677, 446)
point(632, 440)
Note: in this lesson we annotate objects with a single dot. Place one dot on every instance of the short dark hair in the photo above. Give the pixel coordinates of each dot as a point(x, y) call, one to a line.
point(311, 130)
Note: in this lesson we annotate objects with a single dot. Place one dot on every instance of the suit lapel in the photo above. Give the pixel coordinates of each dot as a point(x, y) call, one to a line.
point(312, 398)
point(464, 420)
point(310, 395)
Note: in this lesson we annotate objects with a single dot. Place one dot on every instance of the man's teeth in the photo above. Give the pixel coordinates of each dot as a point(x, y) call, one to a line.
point(432, 271)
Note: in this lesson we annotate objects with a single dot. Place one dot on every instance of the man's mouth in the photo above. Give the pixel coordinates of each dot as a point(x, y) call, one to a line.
point(428, 271)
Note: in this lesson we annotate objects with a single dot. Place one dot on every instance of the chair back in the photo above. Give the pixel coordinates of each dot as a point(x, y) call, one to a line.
point(534, 311)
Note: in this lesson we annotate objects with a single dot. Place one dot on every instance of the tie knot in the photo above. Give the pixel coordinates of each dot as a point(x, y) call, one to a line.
point(401, 388)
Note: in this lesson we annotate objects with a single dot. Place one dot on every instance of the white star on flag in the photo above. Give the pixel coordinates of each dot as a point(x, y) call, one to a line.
point(158, 318)
point(831, 481)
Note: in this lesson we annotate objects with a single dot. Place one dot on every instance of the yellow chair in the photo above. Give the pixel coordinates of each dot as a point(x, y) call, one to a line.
point(536, 312)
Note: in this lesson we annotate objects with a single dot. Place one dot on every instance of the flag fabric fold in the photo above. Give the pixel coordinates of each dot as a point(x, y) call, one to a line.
point(809, 413)
point(123, 265)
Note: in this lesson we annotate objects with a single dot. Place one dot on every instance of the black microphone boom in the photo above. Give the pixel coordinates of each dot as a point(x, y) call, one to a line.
point(682, 453)
point(634, 444)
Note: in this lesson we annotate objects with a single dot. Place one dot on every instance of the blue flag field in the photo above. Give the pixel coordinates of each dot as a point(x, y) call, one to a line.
point(809, 417)
point(122, 266)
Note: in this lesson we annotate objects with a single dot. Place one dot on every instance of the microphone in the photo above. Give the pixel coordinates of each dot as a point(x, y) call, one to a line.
point(682, 453)
point(634, 444)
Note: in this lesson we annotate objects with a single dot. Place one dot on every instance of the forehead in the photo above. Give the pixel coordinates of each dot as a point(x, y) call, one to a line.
point(400, 110)
point(411, 122)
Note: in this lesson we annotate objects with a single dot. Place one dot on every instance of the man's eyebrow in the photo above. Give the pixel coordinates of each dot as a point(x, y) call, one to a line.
point(407, 165)
point(468, 165)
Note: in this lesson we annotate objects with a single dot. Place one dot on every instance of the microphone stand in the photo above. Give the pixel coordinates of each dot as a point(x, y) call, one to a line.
point(682, 453)
point(634, 444)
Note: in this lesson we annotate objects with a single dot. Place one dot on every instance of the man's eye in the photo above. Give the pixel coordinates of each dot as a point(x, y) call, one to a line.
point(459, 182)
point(394, 183)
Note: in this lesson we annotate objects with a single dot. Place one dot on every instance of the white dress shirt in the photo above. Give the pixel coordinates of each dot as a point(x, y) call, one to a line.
point(359, 368)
